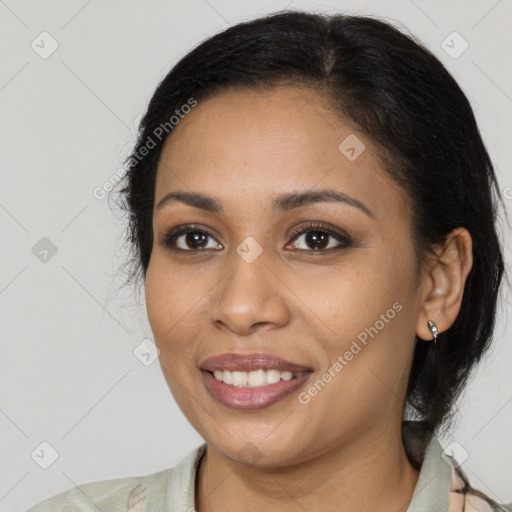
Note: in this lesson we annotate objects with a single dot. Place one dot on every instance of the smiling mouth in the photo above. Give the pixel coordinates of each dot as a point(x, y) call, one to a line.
point(254, 379)
point(246, 381)
point(256, 393)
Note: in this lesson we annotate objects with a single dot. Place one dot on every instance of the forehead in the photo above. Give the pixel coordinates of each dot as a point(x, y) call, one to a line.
point(250, 144)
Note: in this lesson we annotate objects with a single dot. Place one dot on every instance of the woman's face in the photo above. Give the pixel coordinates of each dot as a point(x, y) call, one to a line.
point(345, 307)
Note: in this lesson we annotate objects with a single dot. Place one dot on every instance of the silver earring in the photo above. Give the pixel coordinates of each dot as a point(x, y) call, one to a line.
point(433, 329)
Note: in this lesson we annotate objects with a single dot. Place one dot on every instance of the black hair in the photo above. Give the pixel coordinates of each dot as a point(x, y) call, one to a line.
point(401, 96)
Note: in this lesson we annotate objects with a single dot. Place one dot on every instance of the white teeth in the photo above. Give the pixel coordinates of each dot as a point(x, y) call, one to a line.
point(254, 379)
point(239, 378)
point(257, 378)
point(273, 376)
point(226, 377)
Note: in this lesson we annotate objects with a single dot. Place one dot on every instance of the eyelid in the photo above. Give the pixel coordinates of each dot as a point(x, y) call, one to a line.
point(320, 226)
point(169, 237)
point(345, 240)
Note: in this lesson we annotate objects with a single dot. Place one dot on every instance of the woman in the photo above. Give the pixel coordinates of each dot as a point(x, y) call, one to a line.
point(313, 212)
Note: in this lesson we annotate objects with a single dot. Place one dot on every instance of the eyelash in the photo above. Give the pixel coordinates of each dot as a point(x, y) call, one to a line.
point(168, 240)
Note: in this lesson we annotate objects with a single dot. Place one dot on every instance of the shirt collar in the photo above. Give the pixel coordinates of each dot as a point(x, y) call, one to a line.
point(430, 494)
point(433, 487)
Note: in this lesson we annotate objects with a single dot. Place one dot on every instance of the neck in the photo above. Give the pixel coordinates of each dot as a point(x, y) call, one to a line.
point(371, 472)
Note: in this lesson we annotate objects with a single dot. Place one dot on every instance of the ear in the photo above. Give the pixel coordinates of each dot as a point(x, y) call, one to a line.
point(443, 284)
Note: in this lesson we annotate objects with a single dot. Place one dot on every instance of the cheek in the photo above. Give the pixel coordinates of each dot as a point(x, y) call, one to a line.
point(169, 299)
point(371, 315)
point(355, 294)
point(170, 309)
point(158, 299)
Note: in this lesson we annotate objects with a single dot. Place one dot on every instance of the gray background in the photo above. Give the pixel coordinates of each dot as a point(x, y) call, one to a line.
point(68, 373)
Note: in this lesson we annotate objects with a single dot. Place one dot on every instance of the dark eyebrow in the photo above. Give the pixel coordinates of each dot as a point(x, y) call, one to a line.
point(284, 202)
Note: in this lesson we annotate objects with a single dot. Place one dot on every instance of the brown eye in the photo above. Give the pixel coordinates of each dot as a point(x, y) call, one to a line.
point(321, 238)
point(189, 238)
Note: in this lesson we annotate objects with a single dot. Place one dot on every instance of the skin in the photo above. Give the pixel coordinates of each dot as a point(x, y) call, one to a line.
point(342, 450)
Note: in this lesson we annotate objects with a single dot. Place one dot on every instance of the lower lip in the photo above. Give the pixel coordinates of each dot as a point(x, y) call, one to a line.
point(251, 398)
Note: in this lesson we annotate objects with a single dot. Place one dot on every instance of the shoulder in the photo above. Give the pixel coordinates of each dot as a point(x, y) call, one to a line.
point(119, 494)
point(464, 497)
point(133, 494)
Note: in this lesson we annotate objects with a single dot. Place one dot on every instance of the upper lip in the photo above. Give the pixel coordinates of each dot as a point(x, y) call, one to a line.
point(250, 362)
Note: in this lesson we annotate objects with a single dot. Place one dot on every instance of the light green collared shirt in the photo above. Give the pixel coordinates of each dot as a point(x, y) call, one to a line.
point(441, 487)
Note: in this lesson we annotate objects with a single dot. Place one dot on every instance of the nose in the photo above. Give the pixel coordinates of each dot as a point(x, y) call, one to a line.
point(250, 296)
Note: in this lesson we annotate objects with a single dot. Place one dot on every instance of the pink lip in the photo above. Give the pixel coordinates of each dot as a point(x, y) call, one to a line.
point(249, 362)
point(251, 398)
